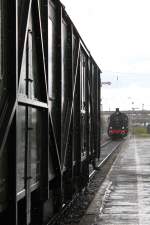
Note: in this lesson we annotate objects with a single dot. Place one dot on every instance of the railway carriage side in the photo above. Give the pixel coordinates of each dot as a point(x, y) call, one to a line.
point(49, 111)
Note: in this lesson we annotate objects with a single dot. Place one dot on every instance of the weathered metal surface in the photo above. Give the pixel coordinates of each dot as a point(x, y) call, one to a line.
point(49, 110)
point(124, 197)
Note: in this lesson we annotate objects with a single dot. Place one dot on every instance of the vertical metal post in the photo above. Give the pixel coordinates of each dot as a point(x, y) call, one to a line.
point(27, 127)
point(58, 180)
point(68, 178)
point(87, 116)
point(98, 114)
point(27, 167)
point(77, 132)
point(59, 70)
point(13, 6)
point(12, 59)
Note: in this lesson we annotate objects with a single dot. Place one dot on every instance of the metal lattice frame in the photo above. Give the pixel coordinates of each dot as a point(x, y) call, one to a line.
point(71, 137)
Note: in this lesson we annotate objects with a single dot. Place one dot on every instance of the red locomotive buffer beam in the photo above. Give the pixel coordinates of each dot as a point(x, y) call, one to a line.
point(118, 131)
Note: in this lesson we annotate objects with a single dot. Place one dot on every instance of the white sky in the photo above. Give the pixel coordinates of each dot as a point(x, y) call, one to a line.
point(117, 33)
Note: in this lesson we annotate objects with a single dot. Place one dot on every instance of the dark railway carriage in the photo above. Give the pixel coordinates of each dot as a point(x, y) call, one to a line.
point(49, 111)
point(118, 125)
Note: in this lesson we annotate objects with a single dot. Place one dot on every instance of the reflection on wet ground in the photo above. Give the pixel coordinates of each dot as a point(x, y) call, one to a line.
point(124, 197)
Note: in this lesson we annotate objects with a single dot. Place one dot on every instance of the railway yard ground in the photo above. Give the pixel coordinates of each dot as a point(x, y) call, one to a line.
point(119, 192)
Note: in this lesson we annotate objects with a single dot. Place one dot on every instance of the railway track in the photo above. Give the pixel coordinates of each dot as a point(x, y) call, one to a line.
point(72, 212)
point(107, 149)
point(106, 143)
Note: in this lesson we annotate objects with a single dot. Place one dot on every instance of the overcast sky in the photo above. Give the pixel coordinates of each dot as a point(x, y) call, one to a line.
point(117, 33)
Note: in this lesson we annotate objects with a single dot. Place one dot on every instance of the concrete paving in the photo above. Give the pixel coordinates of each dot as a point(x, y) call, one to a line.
point(124, 197)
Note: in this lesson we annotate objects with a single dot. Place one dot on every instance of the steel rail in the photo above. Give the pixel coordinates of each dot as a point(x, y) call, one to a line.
point(106, 143)
point(105, 159)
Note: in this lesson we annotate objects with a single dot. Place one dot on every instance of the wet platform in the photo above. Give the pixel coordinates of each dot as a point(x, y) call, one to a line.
point(124, 197)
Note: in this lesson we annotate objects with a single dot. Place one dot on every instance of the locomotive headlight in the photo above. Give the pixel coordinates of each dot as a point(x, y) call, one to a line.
point(110, 127)
point(122, 127)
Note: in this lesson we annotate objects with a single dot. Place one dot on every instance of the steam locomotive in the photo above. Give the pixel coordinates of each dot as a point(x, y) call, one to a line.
point(118, 125)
